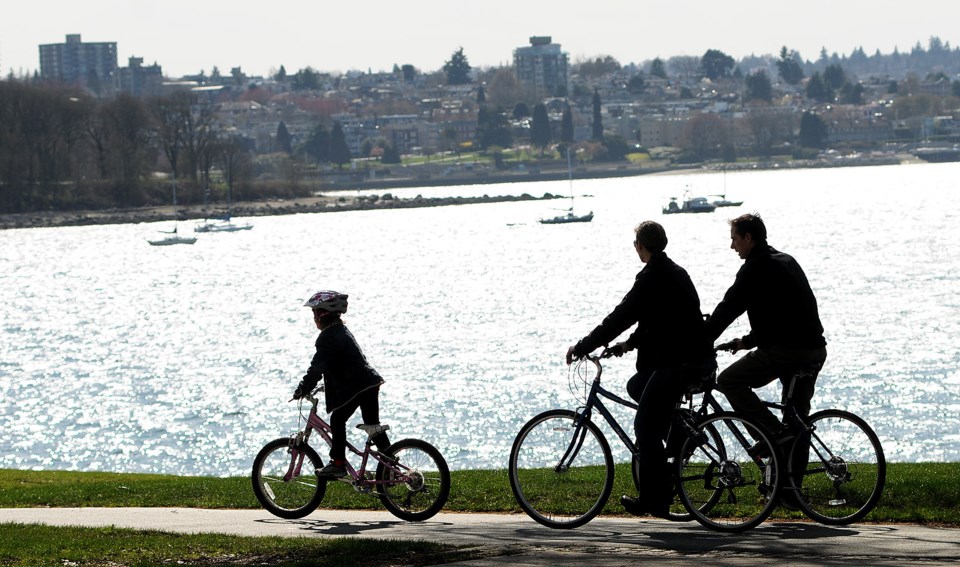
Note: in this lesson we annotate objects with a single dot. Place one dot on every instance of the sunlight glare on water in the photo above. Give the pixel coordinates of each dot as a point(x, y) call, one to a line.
point(125, 357)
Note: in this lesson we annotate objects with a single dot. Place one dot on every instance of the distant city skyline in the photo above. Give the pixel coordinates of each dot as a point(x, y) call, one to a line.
point(187, 37)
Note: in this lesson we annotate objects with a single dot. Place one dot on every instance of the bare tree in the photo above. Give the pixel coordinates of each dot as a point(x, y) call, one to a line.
point(705, 135)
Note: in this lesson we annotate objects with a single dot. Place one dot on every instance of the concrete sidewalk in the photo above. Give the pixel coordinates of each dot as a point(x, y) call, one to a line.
point(518, 540)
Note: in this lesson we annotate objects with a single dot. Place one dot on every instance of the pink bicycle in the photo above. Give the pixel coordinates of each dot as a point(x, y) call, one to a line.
point(411, 478)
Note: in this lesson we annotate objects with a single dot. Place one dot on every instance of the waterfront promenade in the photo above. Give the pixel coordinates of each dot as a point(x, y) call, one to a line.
point(516, 540)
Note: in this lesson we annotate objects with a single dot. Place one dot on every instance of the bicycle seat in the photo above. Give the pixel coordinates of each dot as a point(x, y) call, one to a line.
point(699, 378)
point(373, 428)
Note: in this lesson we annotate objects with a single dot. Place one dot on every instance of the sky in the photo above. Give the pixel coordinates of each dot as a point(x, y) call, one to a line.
point(187, 36)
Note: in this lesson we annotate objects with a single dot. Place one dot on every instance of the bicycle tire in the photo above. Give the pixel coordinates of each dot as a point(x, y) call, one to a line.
point(845, 470)
point(720, 484)
point(566, 498)
point(424, 485)
point(677, 512)
point(292, 498)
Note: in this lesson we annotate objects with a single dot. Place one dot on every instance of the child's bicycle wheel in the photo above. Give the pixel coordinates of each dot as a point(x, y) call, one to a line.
point(285, 486)
point(418, 485)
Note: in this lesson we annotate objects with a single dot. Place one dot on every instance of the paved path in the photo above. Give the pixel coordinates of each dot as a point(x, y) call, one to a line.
point(620, 541)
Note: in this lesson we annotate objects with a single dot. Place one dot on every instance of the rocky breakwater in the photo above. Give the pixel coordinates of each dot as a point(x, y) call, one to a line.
point(317, 204)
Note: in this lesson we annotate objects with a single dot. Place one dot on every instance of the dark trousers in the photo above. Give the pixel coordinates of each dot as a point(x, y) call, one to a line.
point(762, 366)
point(369, 403)
point(657, 392)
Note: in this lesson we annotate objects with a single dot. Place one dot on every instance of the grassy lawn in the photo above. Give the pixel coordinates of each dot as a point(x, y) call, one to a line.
point(924, 493)
point(914, 492)
point(67, 546)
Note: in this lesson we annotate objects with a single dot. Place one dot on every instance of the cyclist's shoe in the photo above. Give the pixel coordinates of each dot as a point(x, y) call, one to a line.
point(332, 471)
point(788, 499)
point(637, 508)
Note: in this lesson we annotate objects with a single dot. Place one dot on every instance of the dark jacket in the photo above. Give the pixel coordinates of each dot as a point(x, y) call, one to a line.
point(773, 290)
point(664, 305)
point(341, 364)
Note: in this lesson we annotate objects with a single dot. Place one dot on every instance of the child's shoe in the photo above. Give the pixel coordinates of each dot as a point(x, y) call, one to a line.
point(333, 470)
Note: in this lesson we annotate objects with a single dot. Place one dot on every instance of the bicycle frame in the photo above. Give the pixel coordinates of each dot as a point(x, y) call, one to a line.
point(356, 476)
point(584, 413)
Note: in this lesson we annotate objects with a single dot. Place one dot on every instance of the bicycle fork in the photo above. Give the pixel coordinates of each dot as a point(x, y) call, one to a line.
point(576, 443)
point(296, 457)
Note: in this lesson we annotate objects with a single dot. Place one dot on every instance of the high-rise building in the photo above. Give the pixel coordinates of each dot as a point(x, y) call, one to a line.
point(139, 80)
point(542, 65)
point(90, 65)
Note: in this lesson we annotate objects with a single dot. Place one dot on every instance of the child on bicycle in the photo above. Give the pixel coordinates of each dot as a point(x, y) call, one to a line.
point(350, 381)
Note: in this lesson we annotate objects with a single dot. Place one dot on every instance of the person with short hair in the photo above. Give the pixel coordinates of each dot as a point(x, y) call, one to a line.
point(349, 380)
point(672, 350)
point(785, 328)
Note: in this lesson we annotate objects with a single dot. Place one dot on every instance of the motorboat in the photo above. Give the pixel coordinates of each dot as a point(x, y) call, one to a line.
point(223, 225)
point(691, 205)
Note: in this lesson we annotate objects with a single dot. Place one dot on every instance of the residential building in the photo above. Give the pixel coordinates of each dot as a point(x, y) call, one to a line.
point(542, 65)
point(89, 65)
point(138, 80)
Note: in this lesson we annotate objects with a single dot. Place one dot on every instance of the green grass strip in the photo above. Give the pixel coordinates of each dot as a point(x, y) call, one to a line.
point(33, 544)
point(914, 492)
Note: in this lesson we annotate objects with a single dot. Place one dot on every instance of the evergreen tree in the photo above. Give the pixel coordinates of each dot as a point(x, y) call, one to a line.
point(317, 144)
point(521, 110)
point(851, 94)
point(813, 131)
point(390, 154)
point(658, 69)
point(284, 139)
point(540, 128)
point(306, 79)
point(457, 69)
point(339, 151)
point(492, 129)
point(758, 87)
point(789, 68)
point(834, 77)
point(566, 126)
point(636, 85)
point(716, 64)
point(597, 117)
point(817, 88)
point(281, 75)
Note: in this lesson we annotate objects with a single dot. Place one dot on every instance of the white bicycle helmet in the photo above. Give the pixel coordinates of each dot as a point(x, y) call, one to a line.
point(332, 301)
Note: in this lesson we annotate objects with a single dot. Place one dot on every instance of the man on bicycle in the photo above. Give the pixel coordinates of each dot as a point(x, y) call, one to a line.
point(672, 350)
point(784, 326)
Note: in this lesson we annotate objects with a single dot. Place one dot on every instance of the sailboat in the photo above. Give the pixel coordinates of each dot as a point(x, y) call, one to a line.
point(225, 223)
point(174, 238)
point(570, 216)
point(723, 201)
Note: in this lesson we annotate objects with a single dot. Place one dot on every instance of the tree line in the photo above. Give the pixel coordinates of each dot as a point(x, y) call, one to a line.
point(61, 149)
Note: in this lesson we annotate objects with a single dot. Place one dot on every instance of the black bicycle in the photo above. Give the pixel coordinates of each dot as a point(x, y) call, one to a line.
point(561, 467)
point(833, 466)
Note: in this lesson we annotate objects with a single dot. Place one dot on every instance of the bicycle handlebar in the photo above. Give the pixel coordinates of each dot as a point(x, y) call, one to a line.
point(730, 346)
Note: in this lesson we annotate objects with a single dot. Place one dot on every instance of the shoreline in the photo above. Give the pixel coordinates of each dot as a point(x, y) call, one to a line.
point(332, 200)
point(317, 204)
